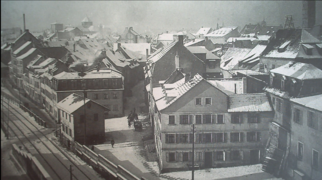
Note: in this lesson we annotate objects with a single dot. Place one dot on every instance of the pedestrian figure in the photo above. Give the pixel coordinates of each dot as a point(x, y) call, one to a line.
point(112, 142)
point(129, 122)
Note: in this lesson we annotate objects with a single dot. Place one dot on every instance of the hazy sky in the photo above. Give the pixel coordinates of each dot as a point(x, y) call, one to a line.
point(154, 15)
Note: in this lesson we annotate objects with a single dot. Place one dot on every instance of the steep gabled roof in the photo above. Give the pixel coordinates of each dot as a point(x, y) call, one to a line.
point(299, 70)
point(313, 102)
point(221, 32)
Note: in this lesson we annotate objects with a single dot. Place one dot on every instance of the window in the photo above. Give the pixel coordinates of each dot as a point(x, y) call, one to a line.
point(220, 119)
point(312, 121)
point(253, 118)
point(95, 117)
point(300, 149)
point(171, 157)
point(184, 119)
point(184, 138)
point(236, 118)
point(95, 96)
point(198, 119)
point(220, 156)
point(235, 155)
point(70, 132)
point(114, 96)
point(282, 84)
point(171, 119)
point(297, 116)
point(207, 137)
point(236, 137)
point(69, 118)
point(198, 156)
point(198, 101)
point(207, 119)
point(253, 136)
point(208, 101)
point(315, 159)
point(170, 138)
point(105, 96)
point(185, 156)
point(218, 137)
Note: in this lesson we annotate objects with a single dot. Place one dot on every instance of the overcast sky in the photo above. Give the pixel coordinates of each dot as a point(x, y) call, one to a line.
point(154, 15)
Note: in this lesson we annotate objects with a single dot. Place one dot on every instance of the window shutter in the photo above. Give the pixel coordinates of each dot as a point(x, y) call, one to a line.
point(191, 140)
point(180, 156)
point(167, 156)
point(213, 138)
point(177, 138)
point(241, 155)
point(190, 156)
point(241, 134)
point(214, 118)
point(224, 156)
point(190, 119)
point(197, 138)
point(202, 156)
point(177, 156)
point(225, 137)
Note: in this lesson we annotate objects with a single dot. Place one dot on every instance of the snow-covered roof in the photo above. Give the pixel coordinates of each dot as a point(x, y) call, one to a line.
point(176, 93)
point(23, 56)
point(86, 19)
point(299, 70)
point(313, 102)
point(277, 92)
point(257, 102)
point(228, 85)
point(254, 54)
point(193, 42)
point(72, 102)
point(89, 75)
point(161, 52)
point(232, 57)
point(22, 47)
point(221, 32)
point(203, 31)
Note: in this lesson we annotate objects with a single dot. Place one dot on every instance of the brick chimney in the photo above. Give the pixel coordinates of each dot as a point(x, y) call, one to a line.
point(180, 39)
point(308, 13)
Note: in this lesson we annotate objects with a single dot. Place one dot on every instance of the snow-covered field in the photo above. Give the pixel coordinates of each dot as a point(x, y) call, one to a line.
point(219, 173)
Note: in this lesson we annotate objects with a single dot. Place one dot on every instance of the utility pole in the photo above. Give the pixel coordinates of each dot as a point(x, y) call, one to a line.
point(8, 119)
point(71, 171)
point(193, 152)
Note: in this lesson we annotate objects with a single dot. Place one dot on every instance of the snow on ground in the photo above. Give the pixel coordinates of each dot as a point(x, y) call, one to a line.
point(220, 173)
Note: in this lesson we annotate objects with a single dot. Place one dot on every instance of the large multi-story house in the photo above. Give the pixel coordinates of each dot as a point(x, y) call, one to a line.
point(104, 87)
point(292, 45)
point(230, 129)
point(290, 88)
point(81, 118)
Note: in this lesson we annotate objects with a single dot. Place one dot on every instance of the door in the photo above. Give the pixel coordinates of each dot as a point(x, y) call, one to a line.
point(208, 159)
point(254, 156)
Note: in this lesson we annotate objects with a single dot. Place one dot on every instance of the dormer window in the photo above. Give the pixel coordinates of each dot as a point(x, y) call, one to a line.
point(283, 47)
point(308, 49)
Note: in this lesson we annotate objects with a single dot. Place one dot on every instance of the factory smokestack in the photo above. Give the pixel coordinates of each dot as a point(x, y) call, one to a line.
point(24, 22)
point(308, 13)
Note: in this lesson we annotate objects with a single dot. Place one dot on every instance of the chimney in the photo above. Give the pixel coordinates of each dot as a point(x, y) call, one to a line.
point(186, 77)
point(98, 68)
point(235, 85)
point(24, 22)
point(180, 37)
point(74, 47)
point(308, 13)
point(176, 60)
point(147, 53)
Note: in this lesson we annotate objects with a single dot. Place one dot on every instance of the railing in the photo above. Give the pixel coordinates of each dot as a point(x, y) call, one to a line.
point(30, 164)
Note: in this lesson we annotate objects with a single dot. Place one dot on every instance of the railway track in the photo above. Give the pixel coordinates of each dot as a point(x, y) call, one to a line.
point(35, 140)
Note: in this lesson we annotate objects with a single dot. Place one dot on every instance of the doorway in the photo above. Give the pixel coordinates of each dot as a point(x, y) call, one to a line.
point(254, 156)
point(208, 159)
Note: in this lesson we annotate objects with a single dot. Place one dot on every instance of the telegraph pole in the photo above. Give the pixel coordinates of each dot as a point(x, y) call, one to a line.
point(193, 152)
point(71, 172)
